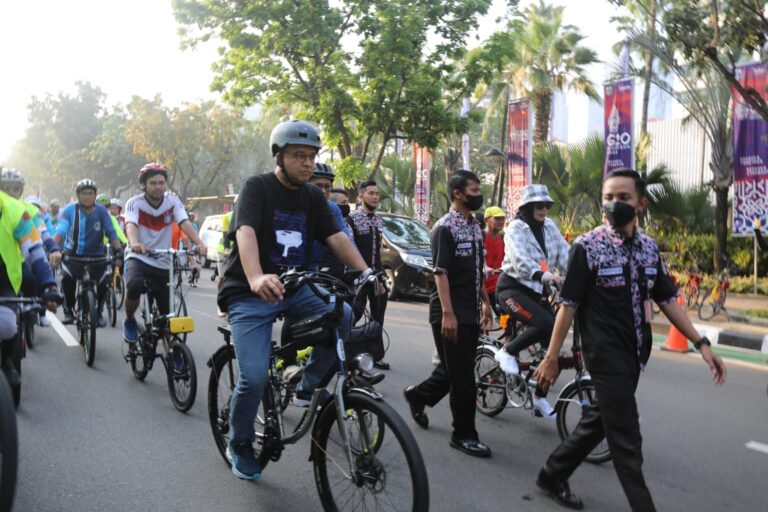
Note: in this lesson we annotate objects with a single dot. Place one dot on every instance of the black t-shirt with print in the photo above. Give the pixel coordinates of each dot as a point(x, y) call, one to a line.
point(286, 222)
point(457, 251)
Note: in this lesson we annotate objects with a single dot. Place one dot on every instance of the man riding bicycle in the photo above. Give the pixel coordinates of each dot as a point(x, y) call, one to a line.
point(83, 226)
point(20, 242)
point(103, 200)
point(277, 217)
point(148, 222)
point(533, 250)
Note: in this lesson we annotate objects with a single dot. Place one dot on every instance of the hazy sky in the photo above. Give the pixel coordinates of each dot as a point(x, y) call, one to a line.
point(131, 48)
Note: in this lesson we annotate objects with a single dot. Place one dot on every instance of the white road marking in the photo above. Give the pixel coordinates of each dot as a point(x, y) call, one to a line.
point(197, 311)
point(758, 447)
point(62, 331)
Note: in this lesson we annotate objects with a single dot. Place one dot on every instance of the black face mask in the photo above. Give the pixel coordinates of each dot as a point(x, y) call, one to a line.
point(474, 202)
point(619, 214)
point(344, 210)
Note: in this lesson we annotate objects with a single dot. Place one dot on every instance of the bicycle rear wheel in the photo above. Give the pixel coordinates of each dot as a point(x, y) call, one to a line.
point(111, 304)
point(182, 375)
point(221, 384)
point(691, 296)
point(87, 325)
point(120, 290)
point(390, 477)
point(490, 382)
point(8, 446)
point(570, 408)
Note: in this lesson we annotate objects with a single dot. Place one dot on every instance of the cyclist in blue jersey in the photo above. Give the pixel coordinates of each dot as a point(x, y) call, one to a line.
point(83, 225)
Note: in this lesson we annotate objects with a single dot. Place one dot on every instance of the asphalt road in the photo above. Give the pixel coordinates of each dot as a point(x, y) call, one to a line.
point(96, 439)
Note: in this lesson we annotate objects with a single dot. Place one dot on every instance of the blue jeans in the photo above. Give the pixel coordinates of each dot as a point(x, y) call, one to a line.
point(251, 319)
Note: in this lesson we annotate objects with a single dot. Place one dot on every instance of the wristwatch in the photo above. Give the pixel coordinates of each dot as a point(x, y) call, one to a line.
point(703, 341)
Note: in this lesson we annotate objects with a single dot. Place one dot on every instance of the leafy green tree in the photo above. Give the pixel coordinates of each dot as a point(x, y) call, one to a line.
point(368, 70)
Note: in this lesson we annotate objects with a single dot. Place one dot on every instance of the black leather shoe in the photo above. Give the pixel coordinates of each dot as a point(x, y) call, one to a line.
point(381, 365)
point(417, 409)
point(558, 490)
point(471, 447)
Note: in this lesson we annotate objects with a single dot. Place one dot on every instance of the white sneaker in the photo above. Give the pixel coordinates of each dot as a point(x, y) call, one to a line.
point(435, 358)
point(507, 361)
point(221, 313)
point(44, 322)
point(542, 406)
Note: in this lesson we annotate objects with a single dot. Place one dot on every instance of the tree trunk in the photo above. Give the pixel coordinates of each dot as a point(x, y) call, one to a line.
point(721, 227)
point(498, 181)
point(542, 106)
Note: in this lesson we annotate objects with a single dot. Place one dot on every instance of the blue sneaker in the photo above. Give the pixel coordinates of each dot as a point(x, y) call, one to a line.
point(130, 330)
point(178, 361)
point(244, 463)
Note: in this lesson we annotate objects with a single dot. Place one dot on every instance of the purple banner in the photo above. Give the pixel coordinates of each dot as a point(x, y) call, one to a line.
point(618, 126)
point(519, 154)
point(422, 163)
point(750, 153)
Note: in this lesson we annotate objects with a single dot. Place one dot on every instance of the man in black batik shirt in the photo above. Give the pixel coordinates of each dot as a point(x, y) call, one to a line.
point(614, 272)
point(457, 251)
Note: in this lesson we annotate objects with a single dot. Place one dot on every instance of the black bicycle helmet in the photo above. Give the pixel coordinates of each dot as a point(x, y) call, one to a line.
point(294, 132)
point(323, 171)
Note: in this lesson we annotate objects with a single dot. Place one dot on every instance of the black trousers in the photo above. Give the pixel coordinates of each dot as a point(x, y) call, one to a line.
point(72, 271)
point(378, 304)
point(526, 307)
point(139, 276)
point(455, 375)
point(615, 418)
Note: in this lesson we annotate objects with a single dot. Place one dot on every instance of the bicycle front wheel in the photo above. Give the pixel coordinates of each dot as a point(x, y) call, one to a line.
point(570, 409)
point(87, 325)
point(120, 290)
point(490, 383)
point(391, 476)
point(221, 384)
point(182, 375)
point(709, 307)
point(8, 446)
point(112, 306)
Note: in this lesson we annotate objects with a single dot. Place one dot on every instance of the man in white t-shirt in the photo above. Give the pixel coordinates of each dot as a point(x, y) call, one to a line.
point(149, 219)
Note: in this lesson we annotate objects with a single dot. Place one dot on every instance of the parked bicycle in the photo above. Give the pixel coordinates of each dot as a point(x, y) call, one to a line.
point(692, 289)
point(9, 446)
point(714, 300)
point(496, 389)
point(165, 330)
point(86, 308)
point(364, 455)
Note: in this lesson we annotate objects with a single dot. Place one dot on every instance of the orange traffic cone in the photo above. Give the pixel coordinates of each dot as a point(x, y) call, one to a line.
point(676, 341)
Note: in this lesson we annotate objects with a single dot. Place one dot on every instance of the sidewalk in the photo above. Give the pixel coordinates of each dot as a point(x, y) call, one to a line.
point(746, 339)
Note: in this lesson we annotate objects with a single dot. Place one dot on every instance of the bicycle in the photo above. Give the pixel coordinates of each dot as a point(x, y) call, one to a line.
point(495, 389)
point(176, 356)
point(178, 285)
point(9, 446)
point(714, 300)
point(356, 435)
point(692, 290)
point(86, 307)
point(114, 283)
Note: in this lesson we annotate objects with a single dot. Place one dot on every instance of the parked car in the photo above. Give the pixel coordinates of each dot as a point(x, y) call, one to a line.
point(210, 234)
point(406, 256)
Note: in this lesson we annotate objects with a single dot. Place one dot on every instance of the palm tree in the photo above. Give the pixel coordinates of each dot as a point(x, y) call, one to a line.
point(396, 179)
point(548, 58)
point(707, 100)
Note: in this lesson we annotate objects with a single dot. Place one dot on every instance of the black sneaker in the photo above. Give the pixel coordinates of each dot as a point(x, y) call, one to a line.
point(69, 317)
point(558, 490)
point(381, 365)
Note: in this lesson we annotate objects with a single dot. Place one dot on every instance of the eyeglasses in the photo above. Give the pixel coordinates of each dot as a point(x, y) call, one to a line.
point(542, 205)
point(303, 157)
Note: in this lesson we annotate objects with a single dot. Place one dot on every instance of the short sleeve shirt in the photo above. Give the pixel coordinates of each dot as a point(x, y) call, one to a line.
point(155, 225)
point(610, 280)
point(286, 222)
point(457, 251)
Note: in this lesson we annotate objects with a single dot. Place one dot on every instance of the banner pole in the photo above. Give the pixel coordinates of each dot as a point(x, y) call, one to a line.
point(754, 239)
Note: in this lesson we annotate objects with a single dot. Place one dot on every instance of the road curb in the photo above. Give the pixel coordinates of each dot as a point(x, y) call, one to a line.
point(726, 337)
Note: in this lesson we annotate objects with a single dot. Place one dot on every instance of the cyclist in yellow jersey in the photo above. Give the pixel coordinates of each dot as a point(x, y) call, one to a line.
point(103, 199)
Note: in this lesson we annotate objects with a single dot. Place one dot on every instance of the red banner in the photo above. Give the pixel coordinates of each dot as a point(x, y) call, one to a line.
point(422, 162)
point(618, 126)
point(750, 153)
point(519, 153)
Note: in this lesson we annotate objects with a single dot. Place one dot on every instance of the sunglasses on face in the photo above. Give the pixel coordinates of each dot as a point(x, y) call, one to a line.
point(542, 205)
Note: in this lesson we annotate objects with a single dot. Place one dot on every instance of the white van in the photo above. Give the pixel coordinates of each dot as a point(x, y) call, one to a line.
point(210, 234)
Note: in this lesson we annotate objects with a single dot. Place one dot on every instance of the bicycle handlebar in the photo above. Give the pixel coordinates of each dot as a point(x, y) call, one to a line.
point(86, 260)
point(293, 280)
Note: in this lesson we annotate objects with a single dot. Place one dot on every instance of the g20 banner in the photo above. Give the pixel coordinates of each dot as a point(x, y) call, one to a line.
point(750, 153)
point(618, 126)
point(519, 154)
point(422, 162)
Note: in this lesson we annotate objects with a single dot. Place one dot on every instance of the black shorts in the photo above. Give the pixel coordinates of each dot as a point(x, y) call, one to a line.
point(138, 275)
